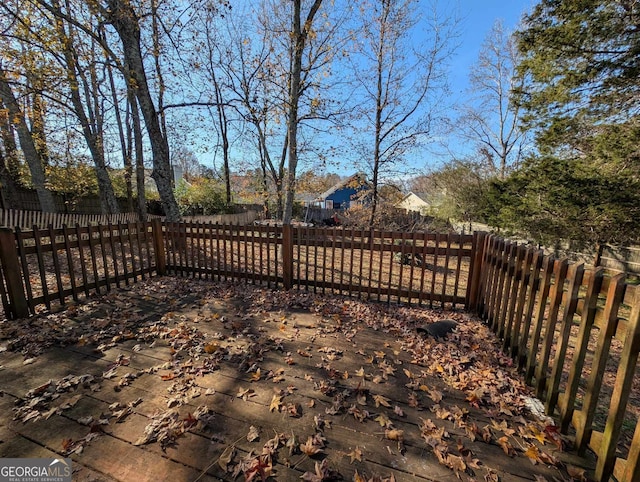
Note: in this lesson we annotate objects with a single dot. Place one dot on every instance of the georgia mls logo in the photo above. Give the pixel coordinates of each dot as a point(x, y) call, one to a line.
point(35, 470)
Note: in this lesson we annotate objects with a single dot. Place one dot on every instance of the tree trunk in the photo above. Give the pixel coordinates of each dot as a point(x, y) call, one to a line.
point(224, 134)
point(141, 205)
point(299, 37)
point(90, 123)
point(38, 134)
point(31, 154)
point(9, 189)
point(125, 146)
point(380, 104)
point(9, 162)
point(122, 16)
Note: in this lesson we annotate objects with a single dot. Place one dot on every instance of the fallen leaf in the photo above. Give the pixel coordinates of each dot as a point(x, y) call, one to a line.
point(211, 347)
point(322, 473)
point(294, 410)
point(383, 420)
point(309, 448)
point(276, 402)
point(254, 434)
point(246, 393)
point(394, 434)
point(506, 446)
point(355, 454)
point(225, 459)
point(576, 473)
point(86, 420)
point(380, 400)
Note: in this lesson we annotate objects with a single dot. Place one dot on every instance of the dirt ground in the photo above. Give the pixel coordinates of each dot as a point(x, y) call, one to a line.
point(187, 380)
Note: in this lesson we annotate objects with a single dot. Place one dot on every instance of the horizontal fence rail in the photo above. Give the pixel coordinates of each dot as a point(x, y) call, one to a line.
point(559, 320)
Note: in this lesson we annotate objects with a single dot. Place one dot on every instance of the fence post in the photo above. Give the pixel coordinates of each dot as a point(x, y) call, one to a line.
point(287, 256)
point(475, 271)
point(158, 247)
point(12, 274)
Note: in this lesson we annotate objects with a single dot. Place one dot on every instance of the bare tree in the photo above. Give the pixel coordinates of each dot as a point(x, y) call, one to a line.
point(124, 19)
point(251, 69)
point(299, 34)
point(86, 99)
point(489, 119)
point(401, 80)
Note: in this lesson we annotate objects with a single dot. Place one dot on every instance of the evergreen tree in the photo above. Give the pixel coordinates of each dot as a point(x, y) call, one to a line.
point(580, 94)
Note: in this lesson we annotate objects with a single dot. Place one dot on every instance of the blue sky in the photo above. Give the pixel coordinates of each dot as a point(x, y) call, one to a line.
point(477, 19)
point(478, 16)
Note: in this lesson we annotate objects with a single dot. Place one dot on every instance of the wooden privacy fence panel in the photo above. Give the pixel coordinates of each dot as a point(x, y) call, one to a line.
point(54, 265)
point(558, 320)
point(620, 258)
point(15, 218)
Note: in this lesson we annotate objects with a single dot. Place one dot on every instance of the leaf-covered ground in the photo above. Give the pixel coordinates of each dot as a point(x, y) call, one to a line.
point(178, 379)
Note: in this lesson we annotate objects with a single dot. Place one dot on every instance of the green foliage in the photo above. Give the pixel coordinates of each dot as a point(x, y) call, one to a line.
point(580, 64)
point(77, 179)
point(552, 198)
point(202, 196)
point(458, 191)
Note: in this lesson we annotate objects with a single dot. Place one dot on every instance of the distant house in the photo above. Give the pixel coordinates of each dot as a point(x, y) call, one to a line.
point(415, 202)
point(344, 194)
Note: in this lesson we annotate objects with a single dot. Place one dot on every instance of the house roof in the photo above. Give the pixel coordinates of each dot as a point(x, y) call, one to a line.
point(305, 197)
point(423, 196)
point(358, 176)
point(415, 196)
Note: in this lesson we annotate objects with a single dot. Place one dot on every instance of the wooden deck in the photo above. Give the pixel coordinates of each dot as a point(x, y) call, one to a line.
point(185, 380)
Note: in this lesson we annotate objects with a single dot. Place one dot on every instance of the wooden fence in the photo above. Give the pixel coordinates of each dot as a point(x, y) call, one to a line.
point(16, 218)
point(385, 266)
point(41, 266)
point(558, 319)
point(54, 265)
point(620, 258)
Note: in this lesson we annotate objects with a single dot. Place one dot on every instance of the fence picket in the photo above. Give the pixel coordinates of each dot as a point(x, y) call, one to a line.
point(559, 275)
point(575, 275)
point(72, 274)
point(531, 291)
point(513, 330)
point(538, 321)
point(25, 269)
point(580, 350)
point(56, 263)
point(606, 449)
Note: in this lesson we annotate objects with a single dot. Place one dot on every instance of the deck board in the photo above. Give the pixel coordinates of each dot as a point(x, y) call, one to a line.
point(299, 343)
